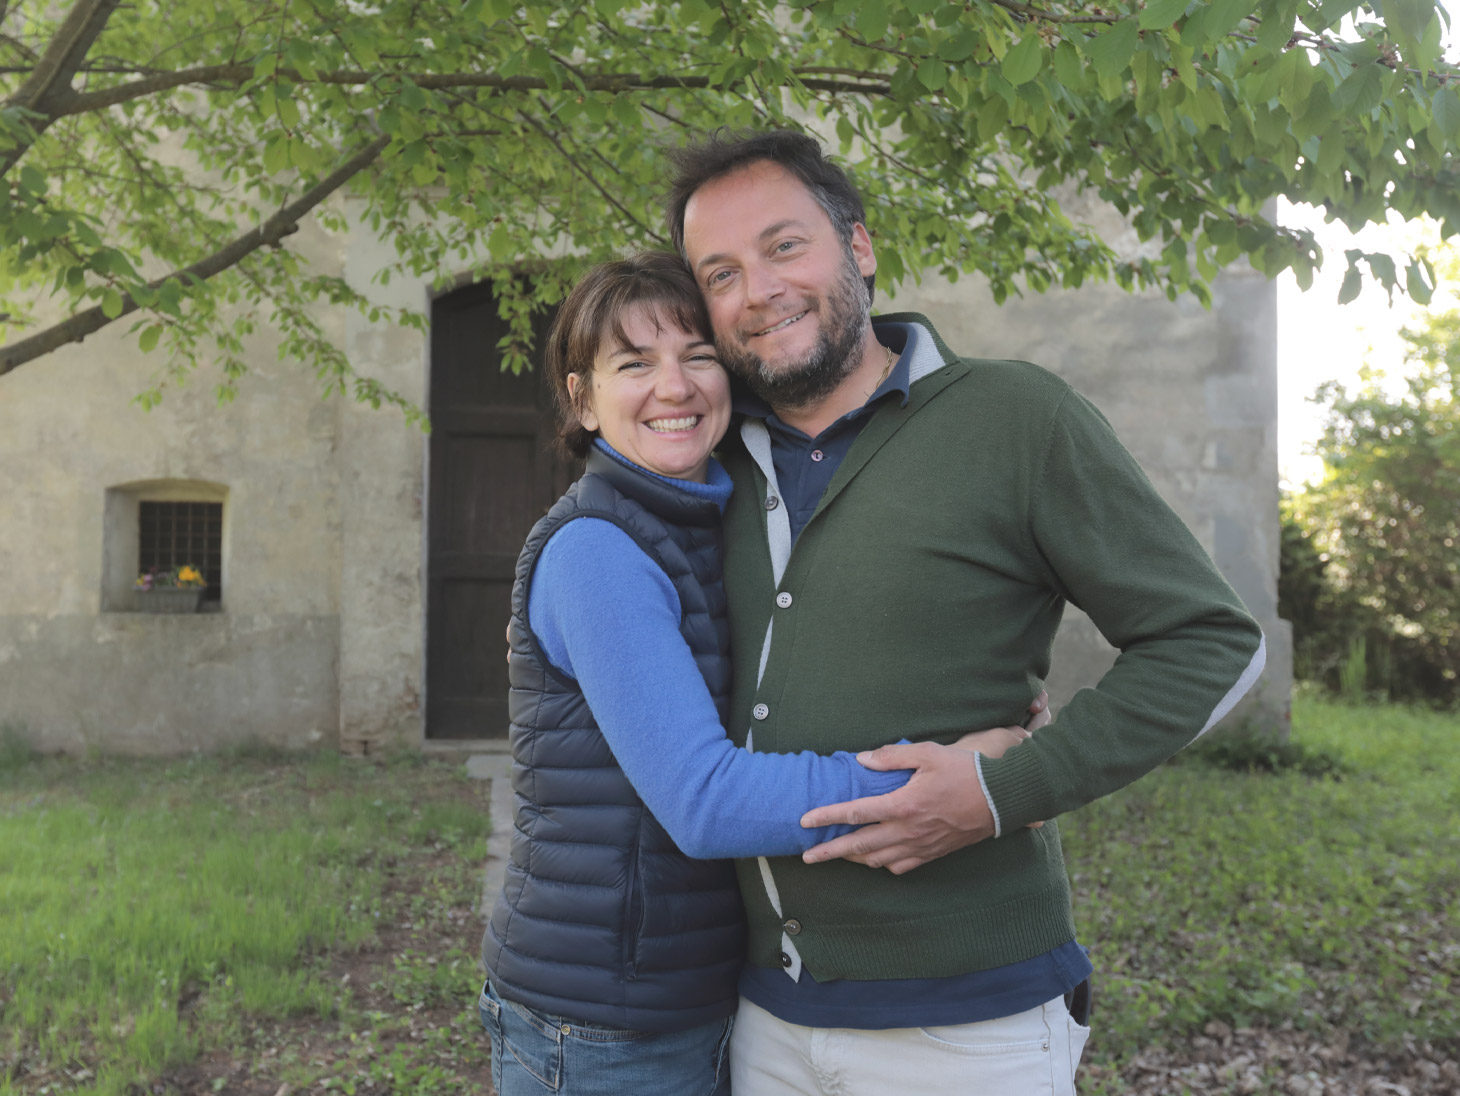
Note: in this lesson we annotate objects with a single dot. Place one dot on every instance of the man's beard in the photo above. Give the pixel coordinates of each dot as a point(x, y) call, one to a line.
point(843, 315)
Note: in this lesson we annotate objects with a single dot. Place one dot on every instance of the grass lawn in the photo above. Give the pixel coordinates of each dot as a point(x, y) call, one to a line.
point(243, 923)
point(1303, 926)
point(237, 924)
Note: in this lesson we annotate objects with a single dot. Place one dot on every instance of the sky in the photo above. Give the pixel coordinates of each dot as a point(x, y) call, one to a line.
point(1320, 340)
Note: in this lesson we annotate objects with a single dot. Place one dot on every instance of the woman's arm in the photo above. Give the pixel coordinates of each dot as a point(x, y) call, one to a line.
point(605, 614)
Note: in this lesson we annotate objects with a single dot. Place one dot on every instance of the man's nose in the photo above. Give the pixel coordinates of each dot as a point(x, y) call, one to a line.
point(763, 284)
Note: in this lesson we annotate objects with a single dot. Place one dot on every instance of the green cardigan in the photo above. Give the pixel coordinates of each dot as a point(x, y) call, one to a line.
point(925, 593)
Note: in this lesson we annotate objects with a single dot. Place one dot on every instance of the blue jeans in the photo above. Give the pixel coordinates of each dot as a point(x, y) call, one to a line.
point(534, 1053)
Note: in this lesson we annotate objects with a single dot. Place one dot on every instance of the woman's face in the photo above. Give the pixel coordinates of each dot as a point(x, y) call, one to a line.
point(663, 401)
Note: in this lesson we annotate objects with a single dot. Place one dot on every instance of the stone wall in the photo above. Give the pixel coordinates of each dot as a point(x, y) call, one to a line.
point(321, 636)
point(80, 670)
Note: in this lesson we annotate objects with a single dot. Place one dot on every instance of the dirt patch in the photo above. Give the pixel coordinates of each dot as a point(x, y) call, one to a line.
point(1250, 1061)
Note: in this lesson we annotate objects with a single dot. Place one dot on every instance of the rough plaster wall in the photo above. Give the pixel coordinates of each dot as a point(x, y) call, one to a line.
point(382, 493)
point(1192, 393)
point(72, 677)
point(324, 631)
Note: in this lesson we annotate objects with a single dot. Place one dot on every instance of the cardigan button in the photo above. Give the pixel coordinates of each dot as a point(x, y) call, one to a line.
point(771, 502)
point(760, 711)
point(792, 926)
point(783, 599)
point(785, 959)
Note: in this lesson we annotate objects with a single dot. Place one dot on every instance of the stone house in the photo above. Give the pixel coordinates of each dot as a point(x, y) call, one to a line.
point(359, 569)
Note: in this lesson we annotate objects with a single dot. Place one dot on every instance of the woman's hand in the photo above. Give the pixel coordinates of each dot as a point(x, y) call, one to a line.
point(996, 740)
point(992, 742)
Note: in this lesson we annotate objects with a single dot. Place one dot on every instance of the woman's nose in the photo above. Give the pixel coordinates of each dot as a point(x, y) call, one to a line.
point(672, 383)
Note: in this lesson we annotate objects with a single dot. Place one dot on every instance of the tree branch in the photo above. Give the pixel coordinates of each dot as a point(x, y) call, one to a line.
point(50, 80)
point(592, 180)
point(272, 231)
point(1054, 16)
point(82, 102)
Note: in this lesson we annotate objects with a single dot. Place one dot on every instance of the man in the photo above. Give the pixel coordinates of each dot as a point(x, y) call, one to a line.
point(906, 528)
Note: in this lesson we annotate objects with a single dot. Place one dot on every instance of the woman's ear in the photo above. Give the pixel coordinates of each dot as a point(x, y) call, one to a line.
point(579, 395)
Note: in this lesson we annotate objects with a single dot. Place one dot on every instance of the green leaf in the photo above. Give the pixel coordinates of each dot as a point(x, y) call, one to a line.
point(1277, 27)
point(276, 153)
point(1110, 51)
point(1362, 90)
point(1022, 63)
point(1353, 281)
point(111, 304)
point(1068, 68)
point(501, 244)
point(1162, 13)
point(960, 46)
point(1409, 16)
point(147, 342)
point(1445, 114)
point(1221, 17)
point(991, 118)
point(932, 74)
point(1382, 267)
point(872, 20)
point(1420, 291)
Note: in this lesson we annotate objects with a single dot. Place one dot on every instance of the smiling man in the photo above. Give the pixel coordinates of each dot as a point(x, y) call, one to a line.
point(906, 528)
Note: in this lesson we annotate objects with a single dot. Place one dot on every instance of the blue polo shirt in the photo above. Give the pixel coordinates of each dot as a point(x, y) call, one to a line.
point(804, 469)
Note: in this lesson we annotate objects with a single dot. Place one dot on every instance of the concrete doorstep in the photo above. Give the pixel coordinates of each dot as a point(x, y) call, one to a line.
point(496, 770)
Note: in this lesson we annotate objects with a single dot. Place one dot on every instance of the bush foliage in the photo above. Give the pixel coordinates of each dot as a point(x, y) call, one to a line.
point(1370, 572)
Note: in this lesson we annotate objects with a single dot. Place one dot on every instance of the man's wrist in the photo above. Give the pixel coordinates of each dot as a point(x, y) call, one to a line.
point(1016, 788)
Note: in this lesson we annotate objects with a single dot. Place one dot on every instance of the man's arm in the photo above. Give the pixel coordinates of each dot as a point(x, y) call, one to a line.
point(1188, 652)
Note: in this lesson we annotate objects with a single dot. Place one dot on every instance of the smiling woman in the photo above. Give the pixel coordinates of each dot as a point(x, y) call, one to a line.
point(658, 395)
point(614, 950)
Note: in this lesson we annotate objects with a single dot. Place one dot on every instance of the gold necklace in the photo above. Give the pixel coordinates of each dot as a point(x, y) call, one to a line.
point(886, 369)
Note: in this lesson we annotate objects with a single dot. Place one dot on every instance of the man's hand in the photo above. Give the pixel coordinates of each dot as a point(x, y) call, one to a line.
point(941, 809)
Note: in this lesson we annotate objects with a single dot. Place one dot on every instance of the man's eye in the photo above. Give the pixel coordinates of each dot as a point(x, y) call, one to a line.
point(718, 277)
point(785, 245)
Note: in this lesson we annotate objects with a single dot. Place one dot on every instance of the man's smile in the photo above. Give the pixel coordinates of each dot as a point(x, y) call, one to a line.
point(787, 322)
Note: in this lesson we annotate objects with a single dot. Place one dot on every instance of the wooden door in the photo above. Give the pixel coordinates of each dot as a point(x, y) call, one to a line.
point(492, 473)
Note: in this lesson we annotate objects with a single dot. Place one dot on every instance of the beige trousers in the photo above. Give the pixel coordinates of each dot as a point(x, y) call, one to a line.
point(1033, 1053)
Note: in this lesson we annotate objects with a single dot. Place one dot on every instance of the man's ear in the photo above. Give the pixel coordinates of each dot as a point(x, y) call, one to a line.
point(582, 405)
point(862, 250)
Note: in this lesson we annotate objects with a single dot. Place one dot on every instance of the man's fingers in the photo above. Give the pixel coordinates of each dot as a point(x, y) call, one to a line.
point(899, 755)
point(1035, 825)
point(860, 846)
point(854, 812)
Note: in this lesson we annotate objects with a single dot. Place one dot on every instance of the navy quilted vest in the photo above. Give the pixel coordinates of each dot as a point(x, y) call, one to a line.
point(602, 918)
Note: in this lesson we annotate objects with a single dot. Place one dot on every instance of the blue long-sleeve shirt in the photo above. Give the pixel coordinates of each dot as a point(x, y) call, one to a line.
point(606, 615)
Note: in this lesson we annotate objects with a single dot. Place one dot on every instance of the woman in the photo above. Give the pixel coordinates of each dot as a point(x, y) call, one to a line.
point(614, 949)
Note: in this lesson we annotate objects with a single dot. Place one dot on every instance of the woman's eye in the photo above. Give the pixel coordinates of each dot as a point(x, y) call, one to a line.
point(633, 365)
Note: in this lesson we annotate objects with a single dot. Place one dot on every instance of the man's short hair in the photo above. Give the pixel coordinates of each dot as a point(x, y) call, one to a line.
point(594, 312)
point(726, 151)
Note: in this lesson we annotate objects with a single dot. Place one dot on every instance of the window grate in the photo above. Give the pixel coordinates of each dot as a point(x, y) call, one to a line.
point(174, 534)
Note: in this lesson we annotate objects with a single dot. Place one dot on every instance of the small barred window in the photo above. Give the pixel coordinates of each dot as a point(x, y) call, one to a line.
point(183, 534)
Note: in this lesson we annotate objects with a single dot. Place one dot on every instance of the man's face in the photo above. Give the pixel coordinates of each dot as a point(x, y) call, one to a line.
point(785, 295)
